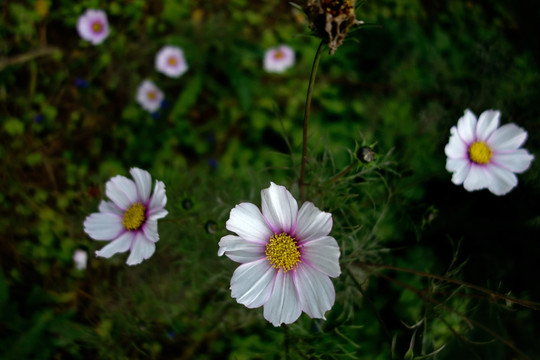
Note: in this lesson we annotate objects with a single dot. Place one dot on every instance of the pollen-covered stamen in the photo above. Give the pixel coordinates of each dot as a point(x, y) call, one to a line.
point(278, 55)
point(134, 217)
point(282, 252)
point(337, 7)
point(151, 95)
point(480, 153)
point(97, 27)
point(172, 61)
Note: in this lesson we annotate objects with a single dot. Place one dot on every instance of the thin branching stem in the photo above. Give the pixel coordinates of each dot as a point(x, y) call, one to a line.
point(306, 118)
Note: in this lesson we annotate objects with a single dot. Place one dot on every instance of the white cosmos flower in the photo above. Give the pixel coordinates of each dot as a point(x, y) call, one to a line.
point(278, 59)
point(170, 61)
point(93, 26)
point(483, 155)
point(286, 254)
point(149, 96)
point(80, 257)
point(129, 220)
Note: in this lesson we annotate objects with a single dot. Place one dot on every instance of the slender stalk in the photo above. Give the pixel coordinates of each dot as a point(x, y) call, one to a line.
point(306, 118)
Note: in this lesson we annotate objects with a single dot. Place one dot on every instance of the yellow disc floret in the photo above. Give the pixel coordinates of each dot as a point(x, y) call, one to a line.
point(278, 55)
point(172, 61)
point(97, 27)
point(282, 252)
point(134, 217)
point(480, 153)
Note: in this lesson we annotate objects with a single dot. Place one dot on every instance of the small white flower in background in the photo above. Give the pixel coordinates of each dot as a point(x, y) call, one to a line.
point(483, 155)
point(149, 96)
point(93, 26)
point(170, 61)
point(129, 221)
point(286, 254)
point(80, 257)
point(278, 59)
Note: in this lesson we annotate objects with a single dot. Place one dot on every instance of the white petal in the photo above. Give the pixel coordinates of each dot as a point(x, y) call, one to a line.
point(456, 147)
point(120, 245)
point(279, 208)
point(109, 207)
point(284, 305)
point(467, 127)
point(312, 223)
point(103, 226)
point(316, 291)
point(142, 249)
point(507, 137)
point(247, 221)
point(157, 214)
point(143, 180)
point(517, 161)
point(476, 179)
point(122, 191)
point(501, 180)
point(159, 199)
point(252, 283)
point(460, 169)
point(322, 254)
point(150, 230)
point(487, 123)
point(240, 250)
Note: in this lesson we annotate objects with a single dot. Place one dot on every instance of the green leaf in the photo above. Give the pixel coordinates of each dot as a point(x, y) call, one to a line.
point(188, 97)
point(14, 127)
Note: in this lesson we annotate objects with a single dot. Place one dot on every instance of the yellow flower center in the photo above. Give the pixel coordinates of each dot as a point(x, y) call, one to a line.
point(134, 217)
point(172, 61)
point(480, 153)
point(151, 95)
point(97, 27)
point(282, 252)
point(278, 55)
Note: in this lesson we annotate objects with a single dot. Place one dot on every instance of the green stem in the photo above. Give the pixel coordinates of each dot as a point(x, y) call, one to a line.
point(306, 118)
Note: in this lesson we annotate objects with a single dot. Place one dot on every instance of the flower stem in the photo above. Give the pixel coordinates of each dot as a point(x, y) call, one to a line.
point(306, 118)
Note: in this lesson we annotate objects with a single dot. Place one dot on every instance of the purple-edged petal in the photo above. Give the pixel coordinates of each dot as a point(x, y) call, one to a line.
point(507, 137)
point(460, 169)
point(252, 283)
point(103, 226)
point(466, 127)
point(517, 161)
point(240, 250)
point(323, 255)
point(159, 198)
point(247, 221)
point(456, 147)
point(312, 223)
point(120, 245)
point(279, 208)
point(142, 249)
point(476, 179)
point(284, 305)
point(157, 214)
point(109, 207)
point(150, 230)
point(143, 180)
point(316, 291)
point(501, 180)
point(487, 123)
point(122, 191)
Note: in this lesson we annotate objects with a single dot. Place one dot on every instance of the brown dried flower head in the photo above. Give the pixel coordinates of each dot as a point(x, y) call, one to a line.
point(331, 20)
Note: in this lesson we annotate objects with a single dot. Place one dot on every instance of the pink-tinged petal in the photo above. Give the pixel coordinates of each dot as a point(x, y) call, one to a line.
point(142, 249)
point(487, 123)
point(501, 180)
point(157, 214)
point(279, 208)
point(476, 179)
point(122, 191)
point(323, 255)
point(517, 161)
point(316, 291)
point(143, 182)
point(150, 230)
point(159, 199)
point(103, 226)
point(252, 283)
point(466, 127)
point(247, 221)
point(240, 250)
point(120, 245)
point(507, 137)
point(460, 169)
point(312, 223)
point(456, 147)
point(284, 305)
point(109, 207)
